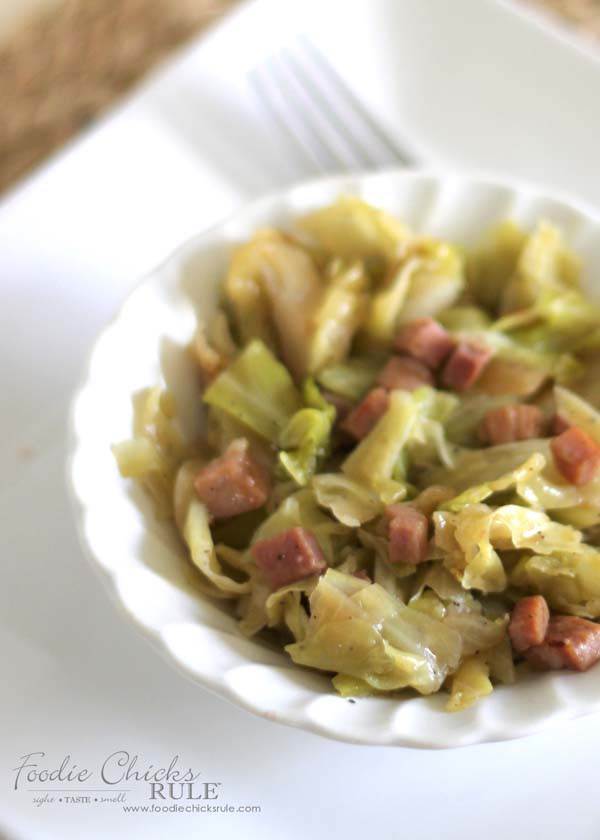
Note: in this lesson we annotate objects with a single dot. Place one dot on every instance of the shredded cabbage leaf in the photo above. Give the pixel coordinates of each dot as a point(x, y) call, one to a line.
point(273, 289)
point(427, 282)
point(471, 538)
point(568, 577)
point(339, 315)
point(304, 440)
point(352, 229)
point(351, 378)
point(360, 630)
point(349, 501)
point(257, 390)
point(410, 430)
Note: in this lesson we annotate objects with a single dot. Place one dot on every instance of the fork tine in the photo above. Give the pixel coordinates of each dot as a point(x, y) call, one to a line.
point(305, 114)
point(270, 97)
point(348, 148)
point(353, 103)
point(297, 116)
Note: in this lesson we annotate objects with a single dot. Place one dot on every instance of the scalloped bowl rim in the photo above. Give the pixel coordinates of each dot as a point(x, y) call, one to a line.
point(455, 730)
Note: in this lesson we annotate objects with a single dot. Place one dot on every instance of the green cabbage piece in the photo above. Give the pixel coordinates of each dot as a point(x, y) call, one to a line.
point(569, 580)
point(459, 318)
point(470, 538)
point(477, 632)
point(428, 443)
point(196, 533)
point(468, 553)
point(359, 630)
point(426, 283)
point(515, 479)
point(491, 266)
point(313, 398)
point(437, 283)
point(304, 440)
point(411, 431)
point(284, 607)
point(256, 390)
point(347, 686)
point(473, 467)
point(372, 463)
point(558, 321)
point(352, 229)
point(273, 290)
point(351, 378)
point(469, 683)
point(384, 308)
point(350, 502)
point(543, 265)
point(339, 315)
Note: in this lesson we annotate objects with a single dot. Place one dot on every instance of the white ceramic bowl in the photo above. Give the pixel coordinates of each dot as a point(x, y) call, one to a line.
point(142, 561)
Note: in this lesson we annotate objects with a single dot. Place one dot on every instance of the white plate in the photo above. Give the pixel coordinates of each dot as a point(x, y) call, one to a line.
point(74, 239)
point(146, 566)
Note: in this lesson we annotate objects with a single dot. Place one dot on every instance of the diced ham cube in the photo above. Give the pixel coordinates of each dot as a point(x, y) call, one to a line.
point(425, 340)
point(528, 622)
point(233, 483)
point(289, 556)
point(465, 366)
point(511, 422)
point(359, 422)
point(408, 534)
point(404, 373)
point(362, 575)
point(576, 455)
point(570, 642)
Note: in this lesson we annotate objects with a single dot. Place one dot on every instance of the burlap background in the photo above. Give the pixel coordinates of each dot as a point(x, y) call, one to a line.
point(61, 69)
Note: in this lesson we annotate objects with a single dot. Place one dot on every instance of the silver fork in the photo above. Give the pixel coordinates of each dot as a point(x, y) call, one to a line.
point(316, 110)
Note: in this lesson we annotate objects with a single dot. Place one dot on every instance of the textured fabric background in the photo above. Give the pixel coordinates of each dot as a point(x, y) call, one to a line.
point(60, 69)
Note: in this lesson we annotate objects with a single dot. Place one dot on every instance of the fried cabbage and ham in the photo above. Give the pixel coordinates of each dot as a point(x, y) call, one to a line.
point(400, 470)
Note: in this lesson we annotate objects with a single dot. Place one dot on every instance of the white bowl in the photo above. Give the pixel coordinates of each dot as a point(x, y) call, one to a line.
point(143, 562)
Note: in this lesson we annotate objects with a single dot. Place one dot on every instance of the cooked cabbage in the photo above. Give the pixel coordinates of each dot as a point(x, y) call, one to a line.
point(273, 289)
point(257, 390)
point(304, 441)
point(469, 683)
point(352, 229)
point(196, 533)
point(339, 314)
point(350, 379)
point(541, 266)
point(321, 309)
point(157, 448)
point(470, 540)
point(349, 501)
point(372, 463)
point(430, 280)
point(568, 576)
point(362, 631)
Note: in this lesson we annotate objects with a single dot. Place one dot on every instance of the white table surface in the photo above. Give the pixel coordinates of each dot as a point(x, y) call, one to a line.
point(473, 85)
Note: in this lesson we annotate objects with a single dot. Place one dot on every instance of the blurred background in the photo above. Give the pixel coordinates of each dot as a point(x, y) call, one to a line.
point(63, 62)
